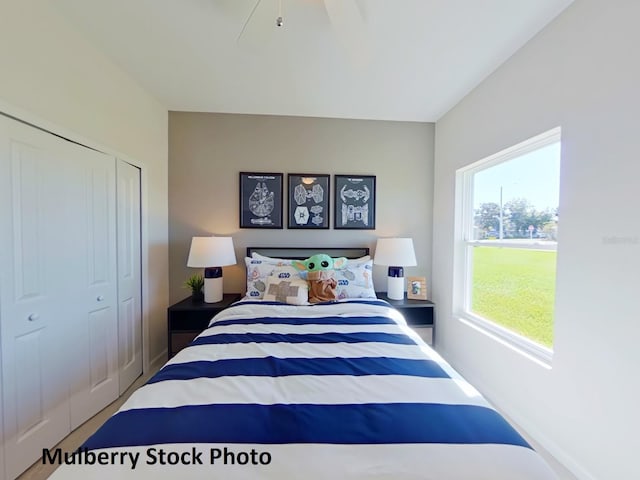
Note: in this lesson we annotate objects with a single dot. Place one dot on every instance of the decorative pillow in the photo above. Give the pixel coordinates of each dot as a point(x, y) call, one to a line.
point(257, 273)
point(264, 258)
point(358, 261)
point(294, 290)
point(286, 272)
point(283, 261)
point(355, 280)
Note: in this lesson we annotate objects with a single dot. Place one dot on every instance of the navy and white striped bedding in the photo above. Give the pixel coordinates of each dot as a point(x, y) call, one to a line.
point(339, 390)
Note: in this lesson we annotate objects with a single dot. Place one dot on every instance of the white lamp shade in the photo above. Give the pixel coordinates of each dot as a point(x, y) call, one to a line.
point(211, 252)
point(395, 252)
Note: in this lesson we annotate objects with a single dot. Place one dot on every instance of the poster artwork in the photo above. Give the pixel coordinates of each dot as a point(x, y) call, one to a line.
point(302, 196)
point(261, 203)
point(260, 200)
point(308, 201)
point(355, 206)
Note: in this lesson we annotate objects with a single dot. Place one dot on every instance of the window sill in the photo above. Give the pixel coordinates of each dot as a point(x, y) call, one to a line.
point(525, 347)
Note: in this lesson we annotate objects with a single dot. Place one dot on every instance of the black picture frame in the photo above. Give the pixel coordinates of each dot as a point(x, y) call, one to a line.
point(260, 200)
point(354, 202)
point(309, 196)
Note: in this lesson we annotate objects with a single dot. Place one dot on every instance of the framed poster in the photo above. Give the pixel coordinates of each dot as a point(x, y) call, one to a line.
point(355, 202)
point(260, 200)
point(417, 288)
point(308, 200)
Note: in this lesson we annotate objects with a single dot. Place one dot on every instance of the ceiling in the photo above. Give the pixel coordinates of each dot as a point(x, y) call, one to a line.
point(412, 60)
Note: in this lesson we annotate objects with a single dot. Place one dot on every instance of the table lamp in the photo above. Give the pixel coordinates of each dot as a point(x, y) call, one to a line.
point(212, 253)
point(396, 253)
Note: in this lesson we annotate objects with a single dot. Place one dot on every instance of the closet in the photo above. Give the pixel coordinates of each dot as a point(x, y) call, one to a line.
point(70, 316)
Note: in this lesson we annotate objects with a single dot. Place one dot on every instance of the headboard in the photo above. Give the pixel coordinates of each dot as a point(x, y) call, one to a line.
point(300, 253)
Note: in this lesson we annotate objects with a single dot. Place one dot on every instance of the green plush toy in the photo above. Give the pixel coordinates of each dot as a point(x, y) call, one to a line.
point(321, 276)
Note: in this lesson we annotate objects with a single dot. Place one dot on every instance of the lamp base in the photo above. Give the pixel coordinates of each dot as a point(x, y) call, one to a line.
point(395, 288)
point(213, 290)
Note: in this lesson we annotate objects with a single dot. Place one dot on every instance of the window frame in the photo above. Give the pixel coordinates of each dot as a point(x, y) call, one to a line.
point(465, 245)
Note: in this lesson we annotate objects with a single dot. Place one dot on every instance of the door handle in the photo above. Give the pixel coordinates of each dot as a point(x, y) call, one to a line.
point(33, 317)
point(100, 298)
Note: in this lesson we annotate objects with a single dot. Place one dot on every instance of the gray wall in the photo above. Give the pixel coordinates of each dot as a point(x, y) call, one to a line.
point(207, 151)
point(580, 73)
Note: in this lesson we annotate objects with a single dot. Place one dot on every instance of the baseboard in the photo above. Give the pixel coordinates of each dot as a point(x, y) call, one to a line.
point(528, 429)
point(566, 460)
point(158, 361)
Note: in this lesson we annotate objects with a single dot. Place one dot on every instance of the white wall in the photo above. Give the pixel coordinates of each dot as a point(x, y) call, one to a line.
point(51, 76)
point(582, 73)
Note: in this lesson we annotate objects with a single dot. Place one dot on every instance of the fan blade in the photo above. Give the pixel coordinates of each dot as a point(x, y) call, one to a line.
point(246, 22)
point(259, 25)
point(350, 29)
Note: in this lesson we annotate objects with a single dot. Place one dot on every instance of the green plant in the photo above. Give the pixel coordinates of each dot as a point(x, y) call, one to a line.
point(195, 282)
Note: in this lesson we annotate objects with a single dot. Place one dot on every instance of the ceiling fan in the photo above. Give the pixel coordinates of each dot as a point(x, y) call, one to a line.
point(345, 17)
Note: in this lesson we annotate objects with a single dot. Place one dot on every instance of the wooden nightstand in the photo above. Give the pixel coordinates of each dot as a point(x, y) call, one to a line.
point(420, 315)
point(187, 318)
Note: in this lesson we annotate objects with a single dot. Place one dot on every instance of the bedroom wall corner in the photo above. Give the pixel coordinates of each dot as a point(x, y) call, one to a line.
point(580, 73)
point(207, 151)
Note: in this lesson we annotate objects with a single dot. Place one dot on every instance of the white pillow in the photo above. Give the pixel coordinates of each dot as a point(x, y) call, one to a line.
point(257, 273)
point(358, 261)
point(264, 258)
point(289, 290)
point(355, 280)
point(286, 272)
point(282, 261)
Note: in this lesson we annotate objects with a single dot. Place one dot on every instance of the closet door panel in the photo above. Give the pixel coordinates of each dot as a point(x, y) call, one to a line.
point(30, 384)
point(100, 232)
point(28, 209)
point(95, 382)
point(35, 391)
point(99, 322)
point(129, 274)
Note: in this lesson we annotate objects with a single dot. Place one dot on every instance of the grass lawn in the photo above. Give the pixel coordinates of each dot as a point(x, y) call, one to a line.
point(516, 289)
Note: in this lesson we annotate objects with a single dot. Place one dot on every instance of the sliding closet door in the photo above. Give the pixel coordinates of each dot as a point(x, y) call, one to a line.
point(129, 274)
point(34, 325)
point(94, 373)
point(58, 288)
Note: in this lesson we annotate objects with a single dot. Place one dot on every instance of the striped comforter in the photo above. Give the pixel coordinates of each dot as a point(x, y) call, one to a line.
point(332, 391)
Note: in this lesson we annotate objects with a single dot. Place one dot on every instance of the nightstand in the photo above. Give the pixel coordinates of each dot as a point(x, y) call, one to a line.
point(187, 318)
point(420, 315)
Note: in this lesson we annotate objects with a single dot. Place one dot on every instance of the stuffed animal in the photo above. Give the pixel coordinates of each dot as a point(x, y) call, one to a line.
point(321, 276)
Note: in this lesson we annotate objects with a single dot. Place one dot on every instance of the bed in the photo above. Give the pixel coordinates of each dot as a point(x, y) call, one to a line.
point(278, 390)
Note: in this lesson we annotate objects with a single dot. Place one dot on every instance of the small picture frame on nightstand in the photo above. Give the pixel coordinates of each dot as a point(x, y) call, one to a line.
point(417, 288)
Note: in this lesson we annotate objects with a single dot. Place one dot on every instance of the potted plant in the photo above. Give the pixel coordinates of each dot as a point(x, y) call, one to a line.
point(195, 282)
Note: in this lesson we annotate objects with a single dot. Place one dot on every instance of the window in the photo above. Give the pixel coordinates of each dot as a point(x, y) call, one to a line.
point(509, 227)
